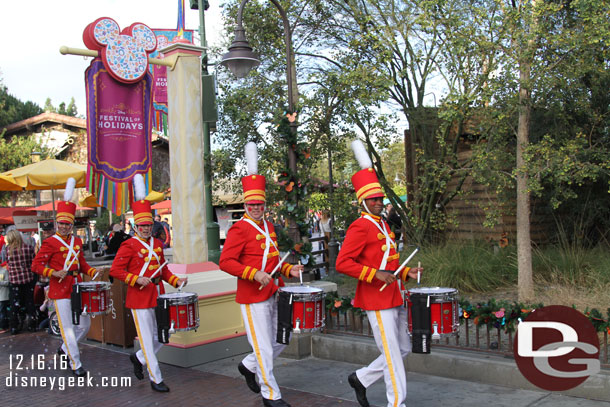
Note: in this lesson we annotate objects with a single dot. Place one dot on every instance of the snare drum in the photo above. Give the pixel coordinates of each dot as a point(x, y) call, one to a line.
point(178, 311)
point(443, 305)
point(307, 307)
point(93, 296)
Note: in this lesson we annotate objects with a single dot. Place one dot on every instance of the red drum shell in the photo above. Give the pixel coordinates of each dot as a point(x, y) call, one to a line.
point(443, 309)
point(183, 310)
point(307, 307)
point(94, 297)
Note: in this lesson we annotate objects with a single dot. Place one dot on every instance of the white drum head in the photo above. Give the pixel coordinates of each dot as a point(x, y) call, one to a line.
point(432, 290)
point(176, 295)
point(94, 285)
point(305, 289)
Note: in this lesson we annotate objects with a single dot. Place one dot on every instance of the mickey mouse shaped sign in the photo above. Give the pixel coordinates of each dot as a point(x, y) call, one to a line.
point(124, 53)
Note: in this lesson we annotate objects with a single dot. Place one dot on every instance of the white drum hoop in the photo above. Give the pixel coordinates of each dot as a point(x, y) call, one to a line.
point(303, 293)
point(180, 298)
point(91, 286)
point(436, 294)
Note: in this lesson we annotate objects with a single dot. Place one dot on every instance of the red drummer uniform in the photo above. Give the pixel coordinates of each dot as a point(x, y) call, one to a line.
point(360, 256)
point(131, 257)
point(52, 256)
point(252, 246)
point(368, 247)
point(242, 256)
point(135, 258)
point(65, 253)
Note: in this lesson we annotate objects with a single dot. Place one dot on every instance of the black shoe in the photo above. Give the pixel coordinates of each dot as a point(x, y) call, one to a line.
point(275, 403)
point(80, 372)
point(137, 366)
point(250, 378)
point(14, 331)
point(160, 387)
point(359, 389)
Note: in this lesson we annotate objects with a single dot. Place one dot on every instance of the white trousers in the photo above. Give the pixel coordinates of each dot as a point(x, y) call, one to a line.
point(390, 330)
point(260, 320)
point(71, 334)
point(146, 326)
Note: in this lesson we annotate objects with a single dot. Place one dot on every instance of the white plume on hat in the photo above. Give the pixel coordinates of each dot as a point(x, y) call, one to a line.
point(251, 158)
point(69, 191)
point(139, 187)
point(361, 155)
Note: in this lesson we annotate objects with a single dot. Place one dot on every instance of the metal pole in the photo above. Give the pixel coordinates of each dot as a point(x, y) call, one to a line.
point(213, 230)
point(293, 230)
point(333, 245)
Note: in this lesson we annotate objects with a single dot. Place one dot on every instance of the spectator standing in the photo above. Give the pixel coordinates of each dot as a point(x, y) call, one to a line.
point(21, 278)
point(4, 297)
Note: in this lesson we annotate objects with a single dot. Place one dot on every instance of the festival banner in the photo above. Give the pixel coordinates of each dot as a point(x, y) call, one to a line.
point(165, 37)
point(119, 124)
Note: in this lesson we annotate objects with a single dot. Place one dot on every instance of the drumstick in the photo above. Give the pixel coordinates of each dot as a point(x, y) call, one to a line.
point(300, 274)
point(69, 265)
point(277, 267)
point(181, 285)
point(418, 272)
point(404, 263)
point(155, 273)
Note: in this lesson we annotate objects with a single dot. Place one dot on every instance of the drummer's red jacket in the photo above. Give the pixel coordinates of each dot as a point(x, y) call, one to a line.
point(51, 257)
point(360, 257)
point(242, 256)
point(129, 260)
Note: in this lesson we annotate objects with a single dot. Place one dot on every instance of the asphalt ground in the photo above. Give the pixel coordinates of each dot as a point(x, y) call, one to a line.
point(30, 373)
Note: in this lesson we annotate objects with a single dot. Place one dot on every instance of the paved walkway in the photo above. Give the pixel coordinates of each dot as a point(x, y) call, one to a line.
point(309, 382)
point(189, 387)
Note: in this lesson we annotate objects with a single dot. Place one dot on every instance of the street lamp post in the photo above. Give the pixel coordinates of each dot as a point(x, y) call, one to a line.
point(208, 115)
point(35, 158)
point(241, 59)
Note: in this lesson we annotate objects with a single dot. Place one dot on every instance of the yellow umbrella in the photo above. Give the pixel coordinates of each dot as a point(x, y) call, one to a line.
point(89, 201)
point(7, 184)
point(48, 174)
point(154, 197)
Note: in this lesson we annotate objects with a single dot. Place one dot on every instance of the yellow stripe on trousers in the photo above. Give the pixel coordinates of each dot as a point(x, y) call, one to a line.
point(61, 329)
point(388, 357)
point(257, 350)
point(135, 319)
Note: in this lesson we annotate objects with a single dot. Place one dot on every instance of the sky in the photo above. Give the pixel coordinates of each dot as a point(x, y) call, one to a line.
point(32, 32)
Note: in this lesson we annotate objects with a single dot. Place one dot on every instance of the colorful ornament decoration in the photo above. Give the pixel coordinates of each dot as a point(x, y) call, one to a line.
point(124, 53)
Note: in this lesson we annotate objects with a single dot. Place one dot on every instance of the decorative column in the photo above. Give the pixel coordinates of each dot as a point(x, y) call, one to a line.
point(186, 153)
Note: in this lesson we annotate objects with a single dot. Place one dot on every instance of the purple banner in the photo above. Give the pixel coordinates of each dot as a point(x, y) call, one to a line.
point(160, 89)
point(119, 124)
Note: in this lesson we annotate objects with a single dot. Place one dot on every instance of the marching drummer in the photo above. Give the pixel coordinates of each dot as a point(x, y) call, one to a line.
point(140, 263)
point(250, 253)
point(61, 259)
point(369, 254)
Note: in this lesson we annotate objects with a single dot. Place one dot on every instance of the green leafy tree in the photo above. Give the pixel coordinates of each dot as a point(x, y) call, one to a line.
point(16, 152)
point(12, 109)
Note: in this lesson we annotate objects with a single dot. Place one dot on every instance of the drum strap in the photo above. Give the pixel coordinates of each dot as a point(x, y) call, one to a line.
point(72, 254)
point(388, 241)
point(151, 253)
point(268, 240)
point(284, 319)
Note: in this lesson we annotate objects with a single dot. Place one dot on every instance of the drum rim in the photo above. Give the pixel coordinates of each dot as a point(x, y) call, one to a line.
point(447, 290)
point(92, 286)
point(177, 295)
point(314, 290)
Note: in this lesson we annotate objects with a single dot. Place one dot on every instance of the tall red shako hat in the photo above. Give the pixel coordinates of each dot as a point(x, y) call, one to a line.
point(142, 214)
point(253, 184)
point(65, 208)
point(365, 181)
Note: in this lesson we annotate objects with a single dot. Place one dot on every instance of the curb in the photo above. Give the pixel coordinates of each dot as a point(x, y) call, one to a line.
point(465, 365)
